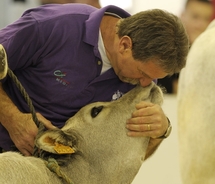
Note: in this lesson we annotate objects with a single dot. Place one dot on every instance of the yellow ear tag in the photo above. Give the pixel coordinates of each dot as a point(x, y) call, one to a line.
point(62, 149)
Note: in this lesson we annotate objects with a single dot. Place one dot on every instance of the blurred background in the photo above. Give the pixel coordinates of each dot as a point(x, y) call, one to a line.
point(163, 166)
point(10, 10)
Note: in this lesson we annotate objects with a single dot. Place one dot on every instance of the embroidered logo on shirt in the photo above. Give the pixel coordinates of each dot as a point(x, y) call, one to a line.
point(118, 94)
point(59, 77)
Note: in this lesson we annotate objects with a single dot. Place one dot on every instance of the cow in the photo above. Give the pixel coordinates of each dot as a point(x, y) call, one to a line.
point(92, 147)
point(196, 111)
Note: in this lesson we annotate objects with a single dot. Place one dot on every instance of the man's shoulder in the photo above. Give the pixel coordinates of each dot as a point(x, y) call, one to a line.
point(52, 11)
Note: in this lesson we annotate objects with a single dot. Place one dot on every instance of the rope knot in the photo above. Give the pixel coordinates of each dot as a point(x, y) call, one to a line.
point(53, 166)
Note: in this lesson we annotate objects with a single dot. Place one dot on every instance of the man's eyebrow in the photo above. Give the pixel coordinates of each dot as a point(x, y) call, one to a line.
point(143, 73)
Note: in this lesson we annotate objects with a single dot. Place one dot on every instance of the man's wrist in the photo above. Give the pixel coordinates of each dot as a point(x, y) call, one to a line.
point(167, 132)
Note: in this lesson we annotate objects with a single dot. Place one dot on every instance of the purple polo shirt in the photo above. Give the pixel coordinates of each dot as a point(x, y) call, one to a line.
point(53, 50)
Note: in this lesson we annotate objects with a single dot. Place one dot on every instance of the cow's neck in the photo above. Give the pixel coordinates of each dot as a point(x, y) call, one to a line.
point(113, 171)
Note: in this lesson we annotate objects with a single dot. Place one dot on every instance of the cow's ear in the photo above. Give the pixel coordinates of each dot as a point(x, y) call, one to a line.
point(3, 62)
point(52, 141)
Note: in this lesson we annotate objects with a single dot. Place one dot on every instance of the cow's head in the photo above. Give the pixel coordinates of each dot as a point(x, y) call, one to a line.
point(99, 128)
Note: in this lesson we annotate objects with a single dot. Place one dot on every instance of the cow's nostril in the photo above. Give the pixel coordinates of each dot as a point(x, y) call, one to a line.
point(95, 111)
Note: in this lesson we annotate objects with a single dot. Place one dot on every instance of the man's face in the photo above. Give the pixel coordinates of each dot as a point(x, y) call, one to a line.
point(196, 18)
point(130, 70)
point(137, 72)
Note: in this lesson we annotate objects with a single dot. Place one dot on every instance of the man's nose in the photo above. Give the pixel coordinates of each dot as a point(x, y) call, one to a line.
point(145, 82)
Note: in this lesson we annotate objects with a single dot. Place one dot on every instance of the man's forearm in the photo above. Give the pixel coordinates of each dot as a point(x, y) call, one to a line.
point(152, 147)
point(8, 111)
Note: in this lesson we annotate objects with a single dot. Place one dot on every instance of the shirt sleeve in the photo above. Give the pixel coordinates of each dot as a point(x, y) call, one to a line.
point(21, 41)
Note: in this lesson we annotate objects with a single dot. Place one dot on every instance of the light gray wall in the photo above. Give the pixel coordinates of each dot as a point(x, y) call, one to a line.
point(11, 11)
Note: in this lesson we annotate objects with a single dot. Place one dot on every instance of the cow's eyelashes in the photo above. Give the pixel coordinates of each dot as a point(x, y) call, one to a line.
point(95, 111)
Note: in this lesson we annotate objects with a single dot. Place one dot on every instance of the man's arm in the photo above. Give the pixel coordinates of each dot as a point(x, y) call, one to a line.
point(149, 120)
point(10, 116)
point(152, 147)
point(20, 126)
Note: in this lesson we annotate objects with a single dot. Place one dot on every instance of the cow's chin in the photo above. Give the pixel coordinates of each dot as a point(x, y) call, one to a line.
point(130, 80)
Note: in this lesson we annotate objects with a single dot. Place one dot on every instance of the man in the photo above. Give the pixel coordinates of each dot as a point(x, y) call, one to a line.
point(196, 16)
point(67, 56)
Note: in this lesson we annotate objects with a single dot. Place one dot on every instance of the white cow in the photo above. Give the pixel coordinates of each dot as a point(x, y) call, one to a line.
point(196, 111)
point(104, 154)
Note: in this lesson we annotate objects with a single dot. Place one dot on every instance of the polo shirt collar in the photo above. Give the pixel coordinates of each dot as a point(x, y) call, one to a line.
point(93, 22)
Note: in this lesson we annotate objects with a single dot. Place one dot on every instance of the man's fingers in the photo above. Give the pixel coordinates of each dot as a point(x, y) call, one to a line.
point(46, 122)
point(139, 120)
point(48, 125)
point(26, 152)
point(143, 104)
point(142, 127)
point(146, 109)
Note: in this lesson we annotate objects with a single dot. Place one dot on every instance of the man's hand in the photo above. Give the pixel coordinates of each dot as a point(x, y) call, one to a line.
point(24, 131)
point(148, 120)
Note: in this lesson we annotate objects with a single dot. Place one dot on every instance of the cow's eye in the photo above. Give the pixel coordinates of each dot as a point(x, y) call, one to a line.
point(95, 111)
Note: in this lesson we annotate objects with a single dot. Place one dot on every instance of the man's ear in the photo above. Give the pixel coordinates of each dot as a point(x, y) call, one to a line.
point(54, 141)
point(125, 44)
